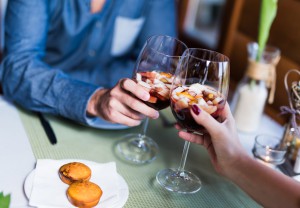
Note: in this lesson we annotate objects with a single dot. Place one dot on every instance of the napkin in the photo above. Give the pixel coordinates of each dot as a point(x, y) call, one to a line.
point(49, 191)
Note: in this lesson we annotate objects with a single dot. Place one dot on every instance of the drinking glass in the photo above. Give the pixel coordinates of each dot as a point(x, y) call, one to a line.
point(269, 149)
point(201, 79)
point(154, 71)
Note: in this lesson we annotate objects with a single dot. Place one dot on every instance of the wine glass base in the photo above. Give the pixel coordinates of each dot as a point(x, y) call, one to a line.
point(138, 148)
point(183, 182)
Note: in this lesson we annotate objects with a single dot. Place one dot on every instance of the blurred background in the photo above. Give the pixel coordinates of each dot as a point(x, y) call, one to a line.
point(227, 26)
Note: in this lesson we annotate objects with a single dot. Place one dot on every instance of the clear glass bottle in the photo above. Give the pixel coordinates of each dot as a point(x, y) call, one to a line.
point(252, 92)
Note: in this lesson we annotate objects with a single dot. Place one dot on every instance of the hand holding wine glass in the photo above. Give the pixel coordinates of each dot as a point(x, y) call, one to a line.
point(221, 139)
point(154, 71)
point(201, 80)
point(122, 104)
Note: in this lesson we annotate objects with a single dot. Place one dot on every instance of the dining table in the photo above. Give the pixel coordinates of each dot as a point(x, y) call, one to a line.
point(23, 141)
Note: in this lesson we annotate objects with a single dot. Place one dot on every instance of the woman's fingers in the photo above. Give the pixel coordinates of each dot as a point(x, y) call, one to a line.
point(191, 137)
point(226, 113)
point(205, 119)
point(203, 140)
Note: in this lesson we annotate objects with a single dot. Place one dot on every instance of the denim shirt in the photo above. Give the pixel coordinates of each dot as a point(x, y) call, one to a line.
point(57, 53)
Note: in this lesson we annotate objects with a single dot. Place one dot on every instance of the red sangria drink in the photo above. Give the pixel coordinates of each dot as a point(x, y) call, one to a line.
point(205, 97)
point(158, 84)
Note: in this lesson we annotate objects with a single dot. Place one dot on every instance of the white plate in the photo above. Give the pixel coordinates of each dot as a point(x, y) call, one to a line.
point(123, 192)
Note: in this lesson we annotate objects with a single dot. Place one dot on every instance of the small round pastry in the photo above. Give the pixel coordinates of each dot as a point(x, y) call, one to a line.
point(73, 172)
point(84, 194)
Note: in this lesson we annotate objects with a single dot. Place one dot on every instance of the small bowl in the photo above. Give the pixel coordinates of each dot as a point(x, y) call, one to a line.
point(270, 149)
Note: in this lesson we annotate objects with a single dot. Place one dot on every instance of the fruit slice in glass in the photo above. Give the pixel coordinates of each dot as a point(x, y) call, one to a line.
point(205, 97)
point(158, 84)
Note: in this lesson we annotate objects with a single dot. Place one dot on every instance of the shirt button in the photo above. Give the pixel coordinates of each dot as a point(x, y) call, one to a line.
point(92, 53)
point(98, 24)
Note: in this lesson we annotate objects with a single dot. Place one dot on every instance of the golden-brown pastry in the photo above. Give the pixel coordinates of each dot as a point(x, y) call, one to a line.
point(73, 172)
point(84, 194)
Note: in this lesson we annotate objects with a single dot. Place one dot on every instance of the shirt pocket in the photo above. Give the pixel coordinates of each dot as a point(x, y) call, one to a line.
point(126, 31)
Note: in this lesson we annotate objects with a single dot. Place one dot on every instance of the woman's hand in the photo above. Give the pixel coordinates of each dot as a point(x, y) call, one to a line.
point(122, 104)
point(221, 141)
point(268, 187)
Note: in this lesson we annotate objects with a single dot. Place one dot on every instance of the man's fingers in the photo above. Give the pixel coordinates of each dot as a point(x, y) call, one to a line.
point(125, 120)
point(127, 92)
point(116, 105)
point(141, 107)
point(111, 109)
point(134, 99)
point(137, 90)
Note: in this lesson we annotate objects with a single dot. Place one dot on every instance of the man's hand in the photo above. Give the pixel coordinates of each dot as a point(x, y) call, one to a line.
point(122, 104)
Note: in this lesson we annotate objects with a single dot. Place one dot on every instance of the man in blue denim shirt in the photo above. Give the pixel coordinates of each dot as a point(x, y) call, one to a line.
point(67, 57)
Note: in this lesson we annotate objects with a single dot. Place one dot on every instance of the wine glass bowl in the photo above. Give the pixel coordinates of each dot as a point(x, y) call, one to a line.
point(202, 79)
point(158, 85)
point(154, 71)
point(184, 97)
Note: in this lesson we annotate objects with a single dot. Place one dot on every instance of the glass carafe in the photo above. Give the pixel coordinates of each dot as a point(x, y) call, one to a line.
point(256, 86)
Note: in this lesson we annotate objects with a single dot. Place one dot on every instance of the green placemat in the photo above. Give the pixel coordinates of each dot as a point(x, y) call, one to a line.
point(80, 142)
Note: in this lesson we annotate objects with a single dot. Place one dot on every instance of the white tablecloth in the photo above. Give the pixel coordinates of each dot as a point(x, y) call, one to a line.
point(16, 156)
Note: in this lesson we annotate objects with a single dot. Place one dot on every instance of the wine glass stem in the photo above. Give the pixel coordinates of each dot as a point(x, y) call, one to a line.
point(141, 138)
point(145, 127)
point(184, 156)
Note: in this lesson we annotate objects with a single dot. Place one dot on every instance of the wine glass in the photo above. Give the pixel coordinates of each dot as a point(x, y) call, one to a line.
point(154, 71)
point(201, 79)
